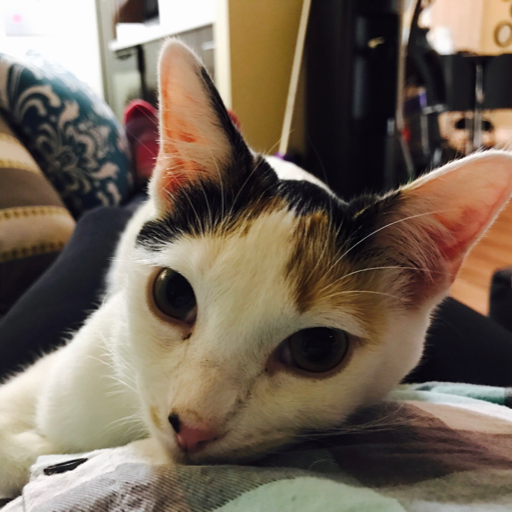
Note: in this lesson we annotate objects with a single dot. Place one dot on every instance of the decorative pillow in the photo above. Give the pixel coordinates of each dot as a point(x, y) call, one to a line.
point(71, 133)
point(34, 224)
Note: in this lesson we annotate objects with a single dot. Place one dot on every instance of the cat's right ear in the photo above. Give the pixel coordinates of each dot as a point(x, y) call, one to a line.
point(432, 223)
point(198, 140)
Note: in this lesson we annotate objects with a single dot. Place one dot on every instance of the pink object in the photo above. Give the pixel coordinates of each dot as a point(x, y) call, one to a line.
point(234, 119)
point(141, 124)
point(193, 439)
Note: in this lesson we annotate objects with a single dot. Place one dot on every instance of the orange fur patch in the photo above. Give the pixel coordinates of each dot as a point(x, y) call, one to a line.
point(155, 418)
point(322, 279)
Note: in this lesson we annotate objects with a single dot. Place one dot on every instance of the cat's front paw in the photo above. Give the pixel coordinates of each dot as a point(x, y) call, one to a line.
point(18, 451)
point(150, 450)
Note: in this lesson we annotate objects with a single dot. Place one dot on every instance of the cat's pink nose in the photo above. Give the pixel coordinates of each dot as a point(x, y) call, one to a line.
point(190, 438)
point(193, 439)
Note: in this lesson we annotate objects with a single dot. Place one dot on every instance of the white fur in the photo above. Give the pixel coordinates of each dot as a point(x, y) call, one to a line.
point(289, 171)
point(126, 360)
point(127, 368)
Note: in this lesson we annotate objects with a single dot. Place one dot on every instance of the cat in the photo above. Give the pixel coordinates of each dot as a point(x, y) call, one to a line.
point(246, 303)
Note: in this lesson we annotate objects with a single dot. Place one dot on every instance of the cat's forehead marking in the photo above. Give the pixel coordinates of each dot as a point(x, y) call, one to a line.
point(318, 273)
point(322, 277)
point(205, 206)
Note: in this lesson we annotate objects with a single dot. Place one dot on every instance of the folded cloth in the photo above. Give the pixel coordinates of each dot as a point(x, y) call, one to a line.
point(430, 447)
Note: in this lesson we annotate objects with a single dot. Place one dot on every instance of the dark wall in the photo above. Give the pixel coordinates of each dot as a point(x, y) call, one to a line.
point(352, 71)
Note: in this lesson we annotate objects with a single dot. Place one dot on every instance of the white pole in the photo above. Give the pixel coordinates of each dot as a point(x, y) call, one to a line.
point(294, 79)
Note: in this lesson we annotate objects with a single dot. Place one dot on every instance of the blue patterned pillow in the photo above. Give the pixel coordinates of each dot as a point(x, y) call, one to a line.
point(72, 134)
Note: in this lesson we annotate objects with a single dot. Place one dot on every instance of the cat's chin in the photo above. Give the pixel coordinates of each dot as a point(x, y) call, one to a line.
point(224, 454)
point(221, 453)
point(171, 448)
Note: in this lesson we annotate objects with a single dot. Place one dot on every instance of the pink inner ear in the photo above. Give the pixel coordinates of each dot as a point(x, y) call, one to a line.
point(170, 182)
point(174, 130)
point(180, 170)
point(174, 127)
point(193, 144)
point(459, 237)
point(463, 231)
point(182, 136)
point(465, 228)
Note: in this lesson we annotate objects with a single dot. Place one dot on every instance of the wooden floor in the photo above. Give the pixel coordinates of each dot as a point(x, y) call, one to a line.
point(492, 252)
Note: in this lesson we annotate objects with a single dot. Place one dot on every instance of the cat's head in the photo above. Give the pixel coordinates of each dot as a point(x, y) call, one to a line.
point(261, 308)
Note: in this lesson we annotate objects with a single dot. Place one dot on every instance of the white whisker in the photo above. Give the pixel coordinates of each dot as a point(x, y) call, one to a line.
point(390, 267)
point(384, 227)
point(346, 292)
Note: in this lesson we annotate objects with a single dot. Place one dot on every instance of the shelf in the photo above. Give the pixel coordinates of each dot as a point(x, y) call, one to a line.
point(176, 17)
point(148, 35)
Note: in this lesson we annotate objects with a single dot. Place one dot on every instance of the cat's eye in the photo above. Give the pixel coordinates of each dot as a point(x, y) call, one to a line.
point(315, 350)
point(174, 296)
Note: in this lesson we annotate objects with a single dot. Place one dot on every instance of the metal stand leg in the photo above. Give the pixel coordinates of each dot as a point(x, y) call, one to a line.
point(141, 66)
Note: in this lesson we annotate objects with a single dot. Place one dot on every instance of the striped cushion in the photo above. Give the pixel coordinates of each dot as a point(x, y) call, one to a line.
point(34, 224)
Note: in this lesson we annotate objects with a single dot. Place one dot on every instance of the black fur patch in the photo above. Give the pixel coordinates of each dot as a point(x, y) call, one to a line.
point(242, 157)
point(367, 213)
point(248, 187)
point(207, 206)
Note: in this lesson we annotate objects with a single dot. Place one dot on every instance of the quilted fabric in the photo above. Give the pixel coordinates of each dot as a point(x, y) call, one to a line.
point(71, 133)
point(432, 447)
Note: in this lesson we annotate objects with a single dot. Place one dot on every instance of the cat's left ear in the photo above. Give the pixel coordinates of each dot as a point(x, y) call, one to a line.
point(433, 222)
point(198, 140)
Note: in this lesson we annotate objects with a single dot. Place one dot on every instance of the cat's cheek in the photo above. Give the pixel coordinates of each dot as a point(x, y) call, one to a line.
point(248, 447)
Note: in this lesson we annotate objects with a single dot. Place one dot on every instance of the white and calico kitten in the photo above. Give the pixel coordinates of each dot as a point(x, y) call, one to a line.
point(247, 304)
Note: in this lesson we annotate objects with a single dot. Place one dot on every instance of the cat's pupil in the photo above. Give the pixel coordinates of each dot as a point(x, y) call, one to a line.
point(316, 350)
point(174, 296)
point(179, 294)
